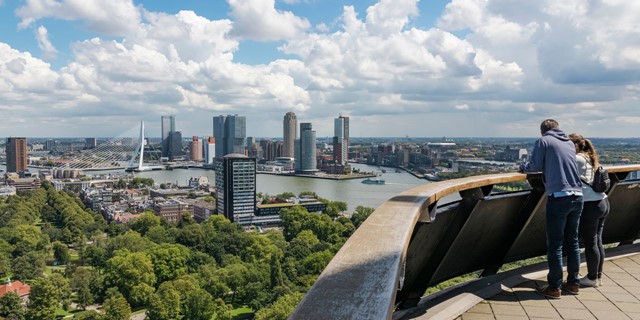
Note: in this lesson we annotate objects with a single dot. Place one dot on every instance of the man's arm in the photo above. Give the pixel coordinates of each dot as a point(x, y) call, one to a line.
point(536, 161)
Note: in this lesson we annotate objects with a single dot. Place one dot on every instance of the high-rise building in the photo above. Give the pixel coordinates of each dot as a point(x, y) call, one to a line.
point(209, 150)
point(168, 125)
point(290, 128)
point(174, 145)
point(341, 140)
point(90, 143)
point(16, 150)
point(230, 133)
point(271, 149)
point(305, 150)
point(236, 188)
point(49, 144)
point(195, 151)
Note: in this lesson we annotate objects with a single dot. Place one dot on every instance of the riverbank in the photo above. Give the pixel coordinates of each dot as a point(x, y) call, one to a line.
point(321, 175)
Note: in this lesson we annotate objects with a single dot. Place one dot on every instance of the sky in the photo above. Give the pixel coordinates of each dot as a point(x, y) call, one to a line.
point(460, 68)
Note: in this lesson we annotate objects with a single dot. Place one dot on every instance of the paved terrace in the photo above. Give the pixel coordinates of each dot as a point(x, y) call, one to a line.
point(418, 239)
point(513, 296)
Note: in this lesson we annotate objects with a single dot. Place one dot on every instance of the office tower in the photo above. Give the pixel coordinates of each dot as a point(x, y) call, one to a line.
point(195, 152)
point(209, 150)
point(230, 133)
point(90, 143)
point(251, 141)
point(236, 188)
point(168, 125)
point(290, 128)
point(16, 151)
point(174, 145)
point(341, 140)
point(305, 150)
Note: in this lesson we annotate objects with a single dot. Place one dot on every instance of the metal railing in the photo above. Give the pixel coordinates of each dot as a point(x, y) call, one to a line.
point(412, 242)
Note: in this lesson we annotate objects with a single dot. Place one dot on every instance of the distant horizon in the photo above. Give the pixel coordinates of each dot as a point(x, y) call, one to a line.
point(395, 67)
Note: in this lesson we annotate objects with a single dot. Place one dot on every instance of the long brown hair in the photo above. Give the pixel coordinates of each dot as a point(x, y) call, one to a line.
point(585, 146)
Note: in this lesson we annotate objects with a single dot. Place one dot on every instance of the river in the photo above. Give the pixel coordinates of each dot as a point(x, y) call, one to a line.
point(353, 192)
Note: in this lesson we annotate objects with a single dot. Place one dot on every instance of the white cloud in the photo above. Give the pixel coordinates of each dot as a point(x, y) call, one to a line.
point(114, 17)
point(506, 64)
point(48, 50)
point(260, 20)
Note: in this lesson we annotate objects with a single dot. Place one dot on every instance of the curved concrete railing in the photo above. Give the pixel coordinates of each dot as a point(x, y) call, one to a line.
point(410, 242)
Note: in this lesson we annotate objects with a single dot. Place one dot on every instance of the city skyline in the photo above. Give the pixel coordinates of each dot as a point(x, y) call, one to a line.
point(456, 68)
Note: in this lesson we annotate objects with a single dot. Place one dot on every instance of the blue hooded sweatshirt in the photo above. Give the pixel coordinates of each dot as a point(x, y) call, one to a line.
point(555, 155)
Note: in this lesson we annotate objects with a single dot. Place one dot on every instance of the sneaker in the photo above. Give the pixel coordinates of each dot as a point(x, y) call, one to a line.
point(586, 282)
point(599, 282)
point(547, 292)
point(570, 288)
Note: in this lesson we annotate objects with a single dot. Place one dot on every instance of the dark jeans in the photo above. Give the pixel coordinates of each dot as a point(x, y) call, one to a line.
point(591, 226)
point(562, 218)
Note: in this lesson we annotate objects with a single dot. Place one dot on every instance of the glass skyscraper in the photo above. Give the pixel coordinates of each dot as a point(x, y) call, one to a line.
point(230, 133)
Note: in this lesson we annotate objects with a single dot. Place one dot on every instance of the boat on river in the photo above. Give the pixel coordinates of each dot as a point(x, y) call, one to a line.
point(376, 180)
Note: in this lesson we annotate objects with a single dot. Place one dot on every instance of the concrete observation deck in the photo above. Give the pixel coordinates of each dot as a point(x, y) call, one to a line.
point(440, 231)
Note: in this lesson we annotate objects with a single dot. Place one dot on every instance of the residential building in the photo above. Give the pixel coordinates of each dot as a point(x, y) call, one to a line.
point(90, 143)
point(341, 140)
point(236, 188)
point(17, 287)
point(290, 134)
point(169, 209)
point(209, 150)
point(305, 150)
point(195, 152)
point(16, 151)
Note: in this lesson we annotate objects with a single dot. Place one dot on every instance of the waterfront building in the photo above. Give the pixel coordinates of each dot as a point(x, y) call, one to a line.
point(341, 140)
point(236, 188)
point(174, 145)
point(290, 133)
point(271, 149)
point(168, 125)
point(209, 150)
point(195, 152)
point(230, 133)
point(305, 150)
point(16, 151)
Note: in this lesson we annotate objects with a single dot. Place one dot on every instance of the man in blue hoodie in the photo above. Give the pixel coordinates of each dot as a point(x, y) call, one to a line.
point(555, 155)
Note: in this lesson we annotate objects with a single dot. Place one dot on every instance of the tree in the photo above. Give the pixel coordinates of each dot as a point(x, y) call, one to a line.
point(286, 195)
point(42, 300)
point(116, 308)
point(164, 304)
point(63, 290)
point(281, 309)
point(169, 261)
point(81, 281)
point(145, 222)
point(132, 274)
point(28, 266)
point(60, 252)
point(198, 305)
point(10, 304)
point(360, 215)
point(120, 184)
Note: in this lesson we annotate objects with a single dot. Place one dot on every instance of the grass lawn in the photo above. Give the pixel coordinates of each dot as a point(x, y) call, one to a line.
point(242, 313)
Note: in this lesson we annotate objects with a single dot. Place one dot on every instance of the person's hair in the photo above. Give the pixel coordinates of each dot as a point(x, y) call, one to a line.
point(585, 146)
point(547, 125)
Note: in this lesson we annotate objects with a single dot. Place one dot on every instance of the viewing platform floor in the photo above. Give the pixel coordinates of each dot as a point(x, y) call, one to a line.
point(512, 295)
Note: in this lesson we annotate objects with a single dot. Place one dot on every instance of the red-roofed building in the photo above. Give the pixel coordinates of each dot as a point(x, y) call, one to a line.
point(17, 287)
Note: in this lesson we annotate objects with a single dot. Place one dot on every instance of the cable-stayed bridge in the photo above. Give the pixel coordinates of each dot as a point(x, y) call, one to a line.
point(130, 150)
